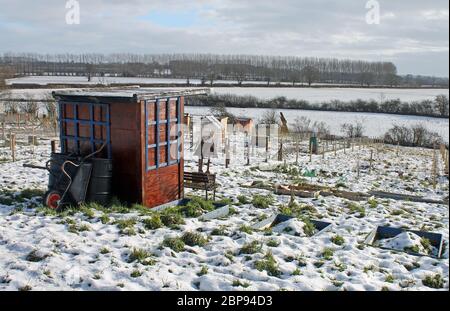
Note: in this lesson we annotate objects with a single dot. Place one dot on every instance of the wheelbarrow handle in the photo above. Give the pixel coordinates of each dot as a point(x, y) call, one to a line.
point(36, 167)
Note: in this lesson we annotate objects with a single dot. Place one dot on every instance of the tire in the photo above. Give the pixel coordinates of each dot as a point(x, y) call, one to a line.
point(53, 199)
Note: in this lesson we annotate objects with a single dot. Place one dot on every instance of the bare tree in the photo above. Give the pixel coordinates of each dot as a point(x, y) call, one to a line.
point(353, 130)
point(311, 74)
point(270, 117)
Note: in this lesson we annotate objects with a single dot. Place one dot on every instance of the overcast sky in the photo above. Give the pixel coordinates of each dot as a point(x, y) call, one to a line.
point(414, 34)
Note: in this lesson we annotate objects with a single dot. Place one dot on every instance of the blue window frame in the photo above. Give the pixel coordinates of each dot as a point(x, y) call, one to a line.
point(76, 121)
point(153, 150)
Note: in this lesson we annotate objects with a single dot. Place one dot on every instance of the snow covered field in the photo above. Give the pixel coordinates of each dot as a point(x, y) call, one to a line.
point(111, 250)
point(312, 95)
point(318, 95)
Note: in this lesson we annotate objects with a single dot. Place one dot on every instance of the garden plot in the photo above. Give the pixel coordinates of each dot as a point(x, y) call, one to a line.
point(118, 248)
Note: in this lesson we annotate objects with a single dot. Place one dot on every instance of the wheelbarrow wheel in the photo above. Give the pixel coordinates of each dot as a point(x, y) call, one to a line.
point(53, 199)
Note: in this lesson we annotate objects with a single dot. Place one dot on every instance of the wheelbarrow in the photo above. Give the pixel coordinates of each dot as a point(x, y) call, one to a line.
point(74, 180)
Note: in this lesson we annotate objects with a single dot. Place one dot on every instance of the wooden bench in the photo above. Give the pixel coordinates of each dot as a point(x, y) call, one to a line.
point(201, 181)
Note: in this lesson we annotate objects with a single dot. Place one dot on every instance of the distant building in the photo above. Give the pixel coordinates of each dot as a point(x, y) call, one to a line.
point(246, 123)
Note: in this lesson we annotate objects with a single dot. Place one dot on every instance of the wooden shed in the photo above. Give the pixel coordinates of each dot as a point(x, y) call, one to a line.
point(139, 129)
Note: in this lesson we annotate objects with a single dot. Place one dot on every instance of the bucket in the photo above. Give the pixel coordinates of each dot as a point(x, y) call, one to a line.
point(100, 186)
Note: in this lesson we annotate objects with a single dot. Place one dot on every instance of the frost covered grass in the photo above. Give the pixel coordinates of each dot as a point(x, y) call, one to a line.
point(133, 248)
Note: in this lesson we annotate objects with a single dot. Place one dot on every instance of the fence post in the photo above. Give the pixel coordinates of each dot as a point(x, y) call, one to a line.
point(371, 159)
point(13, 146)
point(434, 168)
point(53, 146)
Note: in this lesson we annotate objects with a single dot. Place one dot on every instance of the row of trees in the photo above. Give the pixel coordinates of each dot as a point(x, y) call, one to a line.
point(210, 68)
point(439, 107)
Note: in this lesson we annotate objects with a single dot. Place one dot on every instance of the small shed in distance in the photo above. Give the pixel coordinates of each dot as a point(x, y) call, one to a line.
point(246, 124)
point(139, 129)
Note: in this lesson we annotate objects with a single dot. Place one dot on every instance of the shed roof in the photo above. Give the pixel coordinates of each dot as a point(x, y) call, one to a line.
point(129, 95)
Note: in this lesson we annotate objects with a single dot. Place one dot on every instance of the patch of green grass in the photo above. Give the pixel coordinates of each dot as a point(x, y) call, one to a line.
point(297, 271)
point(172, 217)
point(243, 199)
point(46, 211)
point(338, 240)
point(153, 223)
point(221, 231)
point(436, 281)
point(426, 243)
point(268, 264)
point(88, 212)
point(194, 239)
point(356, 208)
point(141, 256)
point(30, 194)
point(251, 248)
point(373, 203)
point(327, 253)
point(104, 251)
point(309, 228)
point(105, 219)
point(225, 201)
point(203, 271)
point(273, 243)
point(413, 249)
point(246, 229)
point(117, 207)
point(141, 209)
point(397, 212)
point(238, 283)
point(75, 228)
point(128, 223)
point(176, 244)
point(196, 207)
point(262, 202)
point(136, 274)
point(229, 255)
point(389, 279)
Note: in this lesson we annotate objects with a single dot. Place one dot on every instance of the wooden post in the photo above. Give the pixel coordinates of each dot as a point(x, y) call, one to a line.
point(248, 150)
point(13, 146)
point(434, 168)
point(323, 151)
point(3, 131)
point(208, 165)
point(297, 148)
point(359, 167)
point(267, 149)
point(335, 151)
point(310, 152)
point(53, 146)
point(280, 151)
point(371, 159)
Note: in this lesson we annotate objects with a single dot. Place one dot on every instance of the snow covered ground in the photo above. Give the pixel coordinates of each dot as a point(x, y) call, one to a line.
point(89, 251)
